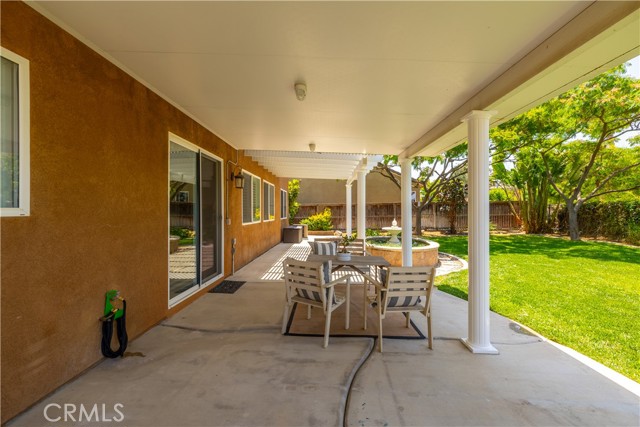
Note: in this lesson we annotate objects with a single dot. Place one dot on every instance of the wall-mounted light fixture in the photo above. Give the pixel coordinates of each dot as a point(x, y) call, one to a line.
point(301, 91)
point(238, 178)
point(236, 174)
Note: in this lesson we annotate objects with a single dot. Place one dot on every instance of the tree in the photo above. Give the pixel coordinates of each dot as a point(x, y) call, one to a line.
point(433, 174)
point(519, 170)
point(452, 196)
point(602, 110)
point(571, 140)
point(294, 190)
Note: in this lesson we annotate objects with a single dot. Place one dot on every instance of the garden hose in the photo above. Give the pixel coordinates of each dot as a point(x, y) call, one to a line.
point(107, 332)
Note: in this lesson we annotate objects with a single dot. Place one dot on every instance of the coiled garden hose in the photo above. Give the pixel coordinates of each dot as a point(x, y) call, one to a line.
point(107, 334)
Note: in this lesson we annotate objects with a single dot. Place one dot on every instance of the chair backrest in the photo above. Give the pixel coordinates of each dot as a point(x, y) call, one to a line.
point(357, 247)
point(306, 279)
point(406, 285)
point(324, 247)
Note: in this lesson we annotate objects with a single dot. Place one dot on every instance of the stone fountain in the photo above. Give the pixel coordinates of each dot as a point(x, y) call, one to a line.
point(393, 231)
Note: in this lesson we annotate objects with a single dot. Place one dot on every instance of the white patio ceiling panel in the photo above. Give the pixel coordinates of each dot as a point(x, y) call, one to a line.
point(383, 77)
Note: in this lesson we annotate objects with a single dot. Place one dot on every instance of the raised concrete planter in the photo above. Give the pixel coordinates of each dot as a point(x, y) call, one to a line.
point(421, 255)
point(174, 241)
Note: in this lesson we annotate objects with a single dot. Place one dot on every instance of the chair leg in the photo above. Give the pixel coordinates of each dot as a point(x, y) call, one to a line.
point(429, 332)
point(408, 316)
point(285, 318)
point(364, 306)
point(380, 321)
point(327, 327)
point(348, 302)
point(308, 312)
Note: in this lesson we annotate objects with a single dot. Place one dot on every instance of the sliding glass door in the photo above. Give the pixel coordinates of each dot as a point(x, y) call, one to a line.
point(195, 219)
point(211, 223)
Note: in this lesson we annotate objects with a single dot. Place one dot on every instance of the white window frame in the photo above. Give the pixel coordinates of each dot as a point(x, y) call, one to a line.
point(284, 202)
point(24, 189)
point(253, 221)
point(265, 203)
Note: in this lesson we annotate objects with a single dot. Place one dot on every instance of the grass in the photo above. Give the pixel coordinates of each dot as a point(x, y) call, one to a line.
point(584, 295)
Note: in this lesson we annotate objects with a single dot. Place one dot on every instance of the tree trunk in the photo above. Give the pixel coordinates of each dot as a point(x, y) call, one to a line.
point(418, 210)
point(452, 213)
point(572, 215)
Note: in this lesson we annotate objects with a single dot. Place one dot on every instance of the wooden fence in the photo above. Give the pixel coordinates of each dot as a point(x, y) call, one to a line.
point(382, 214)
point(181, 214)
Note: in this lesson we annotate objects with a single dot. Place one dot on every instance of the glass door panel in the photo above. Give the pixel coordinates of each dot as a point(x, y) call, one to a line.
point(183, 222)
point(210, 219)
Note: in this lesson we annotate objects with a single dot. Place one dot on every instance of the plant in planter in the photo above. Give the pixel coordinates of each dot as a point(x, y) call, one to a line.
point(345, 241)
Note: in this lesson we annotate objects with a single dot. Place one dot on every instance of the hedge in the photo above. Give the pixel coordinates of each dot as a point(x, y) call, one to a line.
point(617, 221)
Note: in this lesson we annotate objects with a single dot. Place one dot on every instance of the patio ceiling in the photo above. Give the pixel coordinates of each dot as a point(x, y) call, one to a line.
point(382, 77)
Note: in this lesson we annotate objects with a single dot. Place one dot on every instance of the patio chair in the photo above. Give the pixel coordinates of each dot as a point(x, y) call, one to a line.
point(357, 247)
point(309, 283)
point(404, 289)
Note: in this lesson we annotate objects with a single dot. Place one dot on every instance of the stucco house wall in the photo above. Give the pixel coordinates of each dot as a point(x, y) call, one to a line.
point(99, 209)
point(332, 191)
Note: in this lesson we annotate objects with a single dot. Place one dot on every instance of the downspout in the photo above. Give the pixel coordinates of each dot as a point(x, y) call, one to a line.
point(231, 178)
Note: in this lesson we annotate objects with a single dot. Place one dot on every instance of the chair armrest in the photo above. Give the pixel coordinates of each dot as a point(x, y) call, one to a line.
point(372, 281)
point(344, 279)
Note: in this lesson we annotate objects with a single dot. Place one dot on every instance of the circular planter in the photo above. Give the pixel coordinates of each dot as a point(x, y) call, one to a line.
point(342, 256)
point(420, 255)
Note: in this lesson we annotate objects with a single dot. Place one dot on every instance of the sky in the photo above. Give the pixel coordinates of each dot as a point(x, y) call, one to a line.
point(633, 70)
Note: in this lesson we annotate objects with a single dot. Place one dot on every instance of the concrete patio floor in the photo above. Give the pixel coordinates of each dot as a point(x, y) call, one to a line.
point(223, 361)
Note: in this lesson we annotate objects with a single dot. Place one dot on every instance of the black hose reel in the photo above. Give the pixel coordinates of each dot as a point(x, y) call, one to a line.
point(119, 316)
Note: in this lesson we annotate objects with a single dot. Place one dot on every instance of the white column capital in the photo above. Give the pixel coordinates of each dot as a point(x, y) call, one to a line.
point(479, 114)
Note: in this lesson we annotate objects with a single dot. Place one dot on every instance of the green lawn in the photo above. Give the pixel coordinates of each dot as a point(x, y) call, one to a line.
point(585, 295)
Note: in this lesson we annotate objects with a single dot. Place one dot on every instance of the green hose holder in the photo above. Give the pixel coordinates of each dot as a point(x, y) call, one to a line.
point(111, 312)
point(118, 316)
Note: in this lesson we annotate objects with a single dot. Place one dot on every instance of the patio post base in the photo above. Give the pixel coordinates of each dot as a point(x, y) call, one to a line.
point(477, 349)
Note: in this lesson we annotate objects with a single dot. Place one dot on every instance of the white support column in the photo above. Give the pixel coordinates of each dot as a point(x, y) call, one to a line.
point(479, 340)
point(348, 213)
point(405, 200)
point(362, 203)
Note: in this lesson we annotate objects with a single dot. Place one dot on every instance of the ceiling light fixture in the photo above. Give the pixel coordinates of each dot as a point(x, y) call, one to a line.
point(301, 91)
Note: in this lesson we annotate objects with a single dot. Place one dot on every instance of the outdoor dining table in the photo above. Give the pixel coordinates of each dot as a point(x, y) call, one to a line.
point(356, 264)
point(356, 261)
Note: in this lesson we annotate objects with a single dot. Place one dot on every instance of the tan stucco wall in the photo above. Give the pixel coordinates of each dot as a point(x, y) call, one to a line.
point(99, 210)
point(332, 191)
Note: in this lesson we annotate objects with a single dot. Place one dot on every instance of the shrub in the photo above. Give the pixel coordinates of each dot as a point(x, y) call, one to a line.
point(183, 233)
point(617, 221)
point(372, 232)
point(319, 222)
point(633, 235)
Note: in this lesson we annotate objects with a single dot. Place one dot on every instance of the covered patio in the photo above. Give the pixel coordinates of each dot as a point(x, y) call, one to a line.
point(223, 361)
point(270, 91)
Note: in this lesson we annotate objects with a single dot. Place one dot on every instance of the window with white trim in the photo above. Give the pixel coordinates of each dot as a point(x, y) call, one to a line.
point(269, 207)
point(14, 140)
point(251, 211)
point(284, 198)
